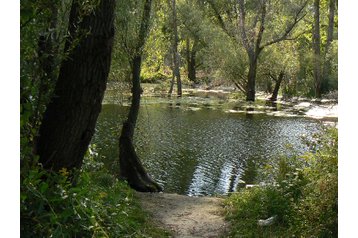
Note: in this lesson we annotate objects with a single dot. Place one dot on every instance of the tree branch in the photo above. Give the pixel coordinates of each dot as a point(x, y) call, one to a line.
point(219, 18)
point(239, 86)
point(241, 20)
point(262, 25)
point(289, 28)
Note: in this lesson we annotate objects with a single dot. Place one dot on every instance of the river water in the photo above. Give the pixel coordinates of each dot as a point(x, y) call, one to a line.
point(203, 151)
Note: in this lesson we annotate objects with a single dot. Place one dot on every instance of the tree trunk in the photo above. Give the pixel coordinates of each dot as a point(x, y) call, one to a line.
point(175, 51)
point(317, 50)
point(277, 86)
point(69, 120)
point(327, 64)
point(192, 62)
point(173, 77)
point(250, 89)
point(131, 169)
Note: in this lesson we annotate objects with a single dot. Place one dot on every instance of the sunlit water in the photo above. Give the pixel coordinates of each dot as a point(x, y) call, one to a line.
point(202, 152)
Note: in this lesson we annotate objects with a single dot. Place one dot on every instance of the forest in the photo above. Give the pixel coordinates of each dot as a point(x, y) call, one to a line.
point(178, 118)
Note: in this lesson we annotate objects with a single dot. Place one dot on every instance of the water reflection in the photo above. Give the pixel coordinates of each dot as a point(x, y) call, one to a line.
point(201, 152)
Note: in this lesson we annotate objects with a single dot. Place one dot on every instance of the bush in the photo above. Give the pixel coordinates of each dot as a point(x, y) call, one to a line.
point(303, 195)
point(98, 206)
point(245, 208)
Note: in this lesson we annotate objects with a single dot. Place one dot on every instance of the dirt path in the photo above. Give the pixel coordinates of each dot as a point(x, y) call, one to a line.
point(186, 216)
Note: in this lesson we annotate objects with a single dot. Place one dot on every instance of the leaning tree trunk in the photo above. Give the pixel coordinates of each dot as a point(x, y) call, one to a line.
point(131, 169)
point(69, 120)
point(277, 86)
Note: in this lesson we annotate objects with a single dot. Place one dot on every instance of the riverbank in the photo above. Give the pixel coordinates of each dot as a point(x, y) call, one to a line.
point(231, 101)
point(186, 216)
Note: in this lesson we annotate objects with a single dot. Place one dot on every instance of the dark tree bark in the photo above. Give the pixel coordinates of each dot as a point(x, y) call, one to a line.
point(191, 60)
point(278, 82)
point(251, 79)
point(317, 76)
point(131, 169)
point(69, 120)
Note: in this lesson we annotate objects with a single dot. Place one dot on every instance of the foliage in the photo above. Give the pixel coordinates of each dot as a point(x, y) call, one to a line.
point(302, 193)
point(98, 206)
point(281, 57)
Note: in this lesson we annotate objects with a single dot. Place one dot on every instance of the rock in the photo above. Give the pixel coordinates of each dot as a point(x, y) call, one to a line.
point(268, 222)
point(251, 185)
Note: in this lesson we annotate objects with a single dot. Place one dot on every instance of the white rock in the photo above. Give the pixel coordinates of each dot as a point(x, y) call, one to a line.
point(267, 222)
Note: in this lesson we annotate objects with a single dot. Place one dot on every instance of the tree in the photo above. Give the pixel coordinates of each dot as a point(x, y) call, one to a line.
point(278, 63)
point(69, 120)
point(176, 57)
point(194, 32)
point(322, 64)
point(131, 167)
point(316, 43)
point(330, 32)
point(251, 33)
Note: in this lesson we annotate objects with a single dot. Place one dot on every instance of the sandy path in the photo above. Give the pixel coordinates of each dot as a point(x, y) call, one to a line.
point(186, 216)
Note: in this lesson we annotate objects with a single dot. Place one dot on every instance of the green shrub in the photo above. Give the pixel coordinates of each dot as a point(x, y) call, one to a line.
point(97, 206)
point(245, 208)
point(302, 193)
point(317, 212)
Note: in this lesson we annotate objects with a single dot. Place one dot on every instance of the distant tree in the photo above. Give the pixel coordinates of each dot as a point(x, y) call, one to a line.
point(176, 56)
point(278, 63)
point(321, 61)
point(194, 30)
point(234, 20)
point(316, 43)
point(327, 65)
point(69, 120)
point(131, 167)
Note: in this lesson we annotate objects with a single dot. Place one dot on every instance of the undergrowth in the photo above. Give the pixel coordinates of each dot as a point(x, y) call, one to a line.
point(99, 205)
point(300, 192)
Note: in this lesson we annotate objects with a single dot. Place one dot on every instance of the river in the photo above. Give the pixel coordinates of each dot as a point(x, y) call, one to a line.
point(202, 150)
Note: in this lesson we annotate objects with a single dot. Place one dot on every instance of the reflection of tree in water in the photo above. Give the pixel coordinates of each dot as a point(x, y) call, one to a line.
point(250, 171)
point(233, 177)
point(248, 174)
